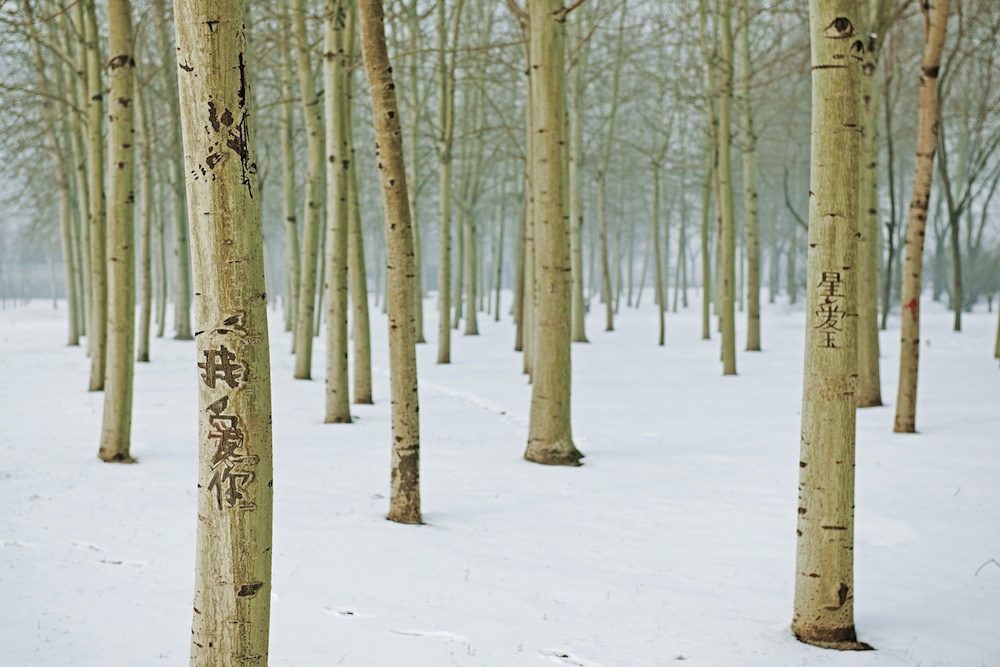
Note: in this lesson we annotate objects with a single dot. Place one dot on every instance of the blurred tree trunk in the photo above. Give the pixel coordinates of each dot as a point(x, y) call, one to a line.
point(824, 580)
point(936, 23)
point(446, 128)
point(576, 87)
point(357, 273)
point(727, 273)
point(97, 331)
point(312, 196)
point(338, 401)
point(145, 164)
point(873, 16)
point(289, 188)
point(182, 245)
point(749, 148)
point(404, 504)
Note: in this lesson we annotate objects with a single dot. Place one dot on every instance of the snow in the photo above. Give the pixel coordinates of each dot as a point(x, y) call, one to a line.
point(673, 544)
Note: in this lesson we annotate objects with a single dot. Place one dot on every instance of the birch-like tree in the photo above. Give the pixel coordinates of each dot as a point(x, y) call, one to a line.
point(404, 503)
point(117, 424)
point(824, 564)
point(235, 497)
point(935, 27)
point(550, 438)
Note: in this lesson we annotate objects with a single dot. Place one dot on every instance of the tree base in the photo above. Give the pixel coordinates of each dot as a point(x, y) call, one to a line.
point(115, 457)
point(837, 639)
point(904, 426)
point(566, 455)
point(410, 518)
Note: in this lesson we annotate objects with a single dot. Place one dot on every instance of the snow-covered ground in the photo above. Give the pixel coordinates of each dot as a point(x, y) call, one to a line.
point(675, 542)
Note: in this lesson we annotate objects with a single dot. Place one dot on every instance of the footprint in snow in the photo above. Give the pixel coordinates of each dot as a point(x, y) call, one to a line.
point(436, 634)
point(86, 546)
point(130, 563)
point(345, 612)
point(567, 658)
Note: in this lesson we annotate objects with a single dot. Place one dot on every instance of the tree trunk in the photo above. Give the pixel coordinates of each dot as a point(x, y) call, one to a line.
point(728, 240)
point(146, 223)
point(313, 196)
point(357, 272)
point(413, 113)
point(446, 123)
point(550, 438)
point(661, 298)
point(235, 497)
point(293, 270)
point(575, 165)
point(404, 504)
point(97, 330)
point(182, 245)
point(117, 425)
point(824, 580)
point(706, 249)
point(749, 185)
point(936, 22)
point(869, 379)
point(338, 400)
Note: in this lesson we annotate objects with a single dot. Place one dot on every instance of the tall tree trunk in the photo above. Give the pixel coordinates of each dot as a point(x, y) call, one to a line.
point(728, 239)
point(550, 438)
point(661, 299)
point(97, 330)
point(889, 277)
point(575, 165)
point(706, 249)
point(182, 245)
point(869, 379)
point(404, 503)
point(749, 184)
point(146, 223)
point(117, 426)
point(313, 196)
point(936, 23)
point(413, 114)
point(338, 160)
point(161, 266)
point(235, 498)
point(824, 580)
point(446, 125)
point(357, 272)
point(293, 269)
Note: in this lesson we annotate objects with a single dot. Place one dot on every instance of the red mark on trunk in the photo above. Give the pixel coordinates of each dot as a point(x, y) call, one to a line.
point(913, 306)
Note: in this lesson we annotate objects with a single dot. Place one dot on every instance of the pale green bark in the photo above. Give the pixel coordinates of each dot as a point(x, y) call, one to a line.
point(727, 267)
point(182, 245)
point(338, 160)
point(146, 223)
point(550, 439)
point(293, 258)
point(98, 324)
point(936, 23)
point(117, 425)
point(661, 298)
point(446, 128)
point(706, 249)
point(824, 568)
point(575, 159)
point(749, 147)
point(413, 116)
point(313, 197)
point(357, 273)
point(235, 478)
point(404, 503)
point(869, 381)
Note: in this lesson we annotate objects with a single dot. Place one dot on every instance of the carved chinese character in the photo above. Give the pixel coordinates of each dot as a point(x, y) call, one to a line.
point(221, 365)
